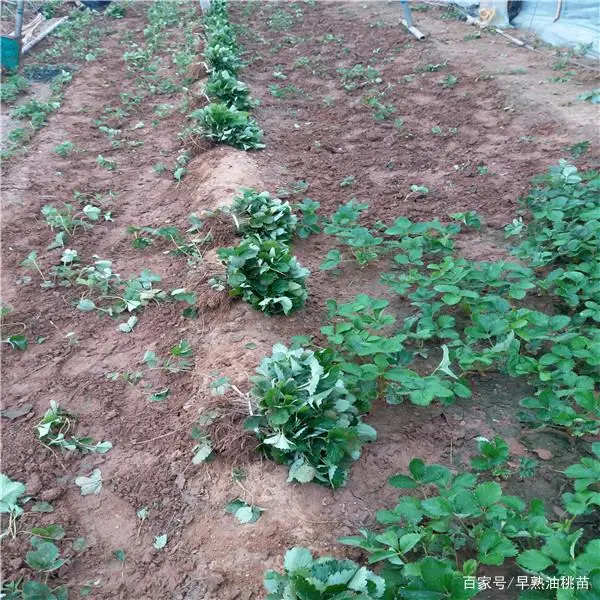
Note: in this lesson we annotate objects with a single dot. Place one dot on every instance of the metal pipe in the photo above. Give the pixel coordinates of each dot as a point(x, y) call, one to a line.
point(408, 22)
point(407, 13)
point(19, 19)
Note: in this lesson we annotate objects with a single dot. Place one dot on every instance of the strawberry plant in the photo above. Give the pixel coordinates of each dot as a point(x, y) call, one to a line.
point(179, 359)
point(358, 75)
point(68, 220)
point(307, 419)
point(453, 514)
point(243, 512)
point(224, 87)
point(265, 274)
point(492, 456)
point(52, 430)
point(565, 225)
point(12, 333)
point(36, 112)
point(227, 125)
point(221, 56)
point(577, 412)
point(365, 247)
point(106, 163)
point(469, 218)
point(419, 240)
point(12, 87)
point(116, 11)
point(576, 285)
point(64, 149)
point(10, 500)
point(268, 218)
point(324, 578)
point(309, 221)
point(364, 354)
point(189, 246)
point(219, 31)
point(106, 291)
point(130, 294)
point(44, 557)
point(422, 390)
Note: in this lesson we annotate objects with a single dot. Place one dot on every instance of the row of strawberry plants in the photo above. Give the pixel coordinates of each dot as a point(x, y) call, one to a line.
point(474, 313)
point(432, 546)
point(434, 542)
point(558, 354)
point(261, 269)
point(226, 119)
point(365, 361)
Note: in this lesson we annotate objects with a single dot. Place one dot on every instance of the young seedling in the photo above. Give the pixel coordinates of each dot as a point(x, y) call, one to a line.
point(109, 165)
point(579, 149)
point(177, 362)
point(10, 494)
point(64, 149)
point(417, 190)
point(449, 81)
point(245, 513)
point(592, 96)
point(30, 262)
point(52, 430)
point(68, 220)
point(142, 515)
point(17, 341)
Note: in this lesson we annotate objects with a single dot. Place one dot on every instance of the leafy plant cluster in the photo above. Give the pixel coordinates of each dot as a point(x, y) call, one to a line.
point(34, 113)
point(50, 549)
point(226, 120)
point(448, 524)
point(452, 515)
point(68, 39)
point(53, 428)
point(104, 290)
point(257, 213)
point(262, 269)
point(265, 274)
point(307, 418)
point(432, 543)
point(158, 65)
point(474, 312)
point(12, 87)
point(561, 242)
point(411, 240)
point(305, 577)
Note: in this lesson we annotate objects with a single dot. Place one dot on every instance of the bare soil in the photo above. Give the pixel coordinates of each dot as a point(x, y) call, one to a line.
point(511, 124)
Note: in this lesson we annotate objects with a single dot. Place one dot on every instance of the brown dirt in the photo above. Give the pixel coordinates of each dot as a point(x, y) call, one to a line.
point(209, 556)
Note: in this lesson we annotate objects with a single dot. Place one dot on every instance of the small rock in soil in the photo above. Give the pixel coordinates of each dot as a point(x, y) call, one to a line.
point(543, 453)
point(33, 484)
point(51, 494)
